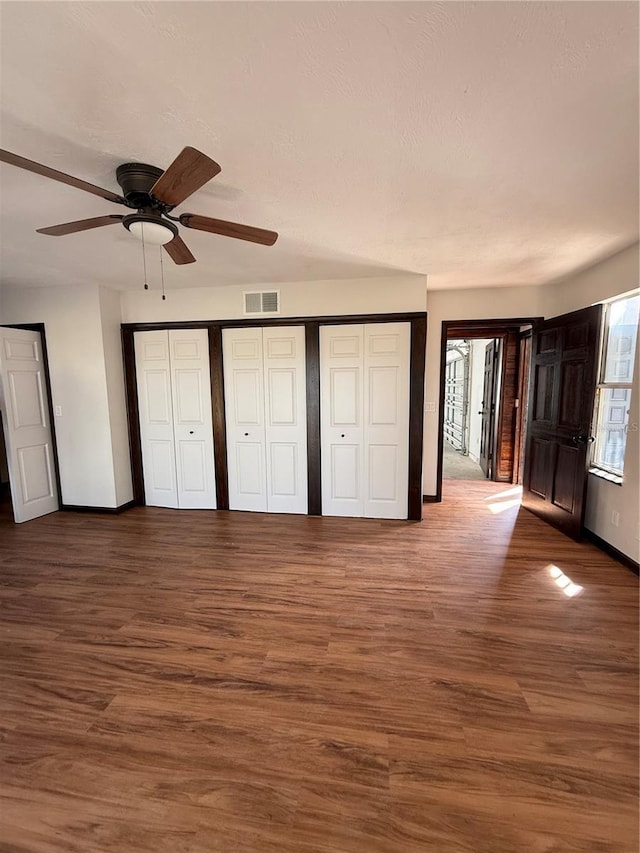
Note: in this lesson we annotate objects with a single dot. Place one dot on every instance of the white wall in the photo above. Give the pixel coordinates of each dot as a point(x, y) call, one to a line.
point(297, 299)
point(114, 372)
point(73, 333)
point(612, 277)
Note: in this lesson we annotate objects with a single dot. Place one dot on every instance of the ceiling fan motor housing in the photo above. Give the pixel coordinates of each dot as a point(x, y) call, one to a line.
point(136, 181)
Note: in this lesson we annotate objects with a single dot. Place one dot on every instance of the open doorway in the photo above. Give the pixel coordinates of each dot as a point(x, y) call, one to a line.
point(484, 382)
point(471, 407)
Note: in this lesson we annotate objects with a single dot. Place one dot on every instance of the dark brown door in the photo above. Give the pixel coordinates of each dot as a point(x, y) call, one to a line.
point(488, 411)
point(563, 379)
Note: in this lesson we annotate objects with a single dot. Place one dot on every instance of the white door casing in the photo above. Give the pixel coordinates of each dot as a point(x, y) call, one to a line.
point(174, 397)
point(364, 382)
point(26, 424)
point(265, 407)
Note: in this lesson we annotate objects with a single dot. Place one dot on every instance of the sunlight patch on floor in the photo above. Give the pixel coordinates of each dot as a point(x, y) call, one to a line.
point(501, 506)
point(515, 490)
point(569, 588)
point(503, 501)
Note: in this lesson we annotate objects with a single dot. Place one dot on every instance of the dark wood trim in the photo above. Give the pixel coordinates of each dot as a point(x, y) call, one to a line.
point(314, 459)
point(610, 550)
point(503, 468)
point(524, 361)
point(133, 415)
point(102, 510)
point(39, 327)
point(430, 499)
point(416, 416)
point(278, 321)
point(489, 328)
point(216, 368)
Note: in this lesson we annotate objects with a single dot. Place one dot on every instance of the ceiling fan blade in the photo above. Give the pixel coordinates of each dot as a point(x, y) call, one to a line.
point(179, 251)
point(228, 229)
point(55, 175)
point(80, 225)
point(189, 171)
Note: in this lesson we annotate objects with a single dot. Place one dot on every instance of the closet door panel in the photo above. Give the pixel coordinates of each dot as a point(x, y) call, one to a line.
point(153, 376)
point(244, 404)
point(285, 418)
point(341, 418)
point(192, 421)
point(386, 429)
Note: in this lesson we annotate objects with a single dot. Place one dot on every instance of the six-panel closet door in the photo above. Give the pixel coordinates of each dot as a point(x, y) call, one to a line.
point(364, 401)
point(265, 410)
point(174, 398)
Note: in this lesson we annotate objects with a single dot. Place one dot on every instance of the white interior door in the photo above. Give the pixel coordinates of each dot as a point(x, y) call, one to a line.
point(27, 429)
point(242, 354)
point(386, 419)
point(341, 419)
point(285, 418)
point(364, 401)
point(174, 397)
point(192, 420)
point(153, 373)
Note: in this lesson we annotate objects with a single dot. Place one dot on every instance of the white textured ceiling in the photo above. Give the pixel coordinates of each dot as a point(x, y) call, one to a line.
point(481, 143)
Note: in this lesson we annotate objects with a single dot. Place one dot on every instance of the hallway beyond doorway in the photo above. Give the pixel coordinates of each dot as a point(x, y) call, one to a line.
point(457, 466)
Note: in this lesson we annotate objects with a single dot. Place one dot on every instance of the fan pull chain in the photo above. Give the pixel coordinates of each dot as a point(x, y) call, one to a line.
point(144, 259)
point(162, 273)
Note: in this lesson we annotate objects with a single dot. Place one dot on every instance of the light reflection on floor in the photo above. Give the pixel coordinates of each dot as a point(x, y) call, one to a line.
point(505, 500)
point(564, 582)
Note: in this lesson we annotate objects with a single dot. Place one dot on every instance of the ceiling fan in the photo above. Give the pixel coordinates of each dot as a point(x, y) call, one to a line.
point(153, 194)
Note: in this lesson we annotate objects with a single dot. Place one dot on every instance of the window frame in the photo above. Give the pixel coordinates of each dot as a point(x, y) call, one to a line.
point(610, 473)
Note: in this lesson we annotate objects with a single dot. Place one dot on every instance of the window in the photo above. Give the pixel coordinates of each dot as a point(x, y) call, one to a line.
point(613, 400)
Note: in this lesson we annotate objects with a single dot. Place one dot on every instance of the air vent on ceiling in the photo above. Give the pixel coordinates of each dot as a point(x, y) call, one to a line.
point(262, 302)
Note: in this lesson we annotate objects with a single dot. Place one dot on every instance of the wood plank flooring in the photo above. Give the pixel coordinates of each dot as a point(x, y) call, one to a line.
point(197, 682)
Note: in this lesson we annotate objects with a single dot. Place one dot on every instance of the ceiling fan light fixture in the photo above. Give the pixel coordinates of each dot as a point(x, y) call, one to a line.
point(152, 231)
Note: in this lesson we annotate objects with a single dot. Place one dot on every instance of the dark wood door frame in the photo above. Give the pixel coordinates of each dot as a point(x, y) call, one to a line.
point(490, 406)
point(418, 323)
point(509, 331)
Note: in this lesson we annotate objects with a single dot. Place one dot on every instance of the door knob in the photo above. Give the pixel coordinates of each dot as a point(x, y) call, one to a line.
point(583, 439)
point(190, 432)
point(246, 433)
point(342, 435)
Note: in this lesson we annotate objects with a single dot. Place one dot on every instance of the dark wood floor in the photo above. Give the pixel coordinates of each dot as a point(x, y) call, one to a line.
point(193, 681)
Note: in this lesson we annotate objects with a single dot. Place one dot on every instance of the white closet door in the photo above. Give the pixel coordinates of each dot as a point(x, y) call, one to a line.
point(341, 423)
point(192, 422)
point(153, 373)
point(27, 431)
point(285, 418)
point(386, 419)
point(244, 410)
